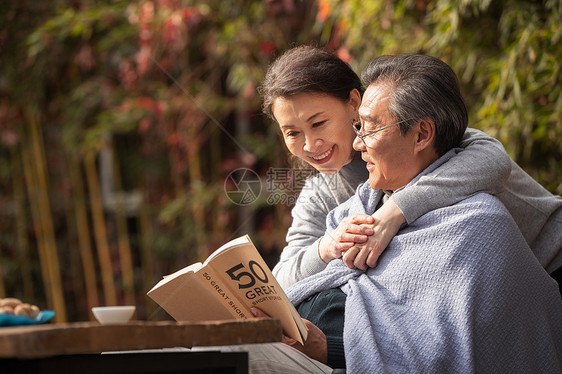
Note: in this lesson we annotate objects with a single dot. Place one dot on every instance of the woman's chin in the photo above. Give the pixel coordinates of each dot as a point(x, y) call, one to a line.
point(327, 171)
point(330, 167)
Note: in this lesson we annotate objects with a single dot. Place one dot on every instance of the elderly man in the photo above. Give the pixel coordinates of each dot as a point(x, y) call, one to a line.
point(458, 290)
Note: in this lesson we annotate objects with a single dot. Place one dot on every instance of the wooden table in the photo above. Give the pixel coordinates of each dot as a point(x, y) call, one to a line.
point(78, 345)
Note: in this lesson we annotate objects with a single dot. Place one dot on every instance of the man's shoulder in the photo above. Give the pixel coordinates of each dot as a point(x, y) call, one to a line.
point(480, 209)
point(478, 206)
point(483, 202)
point(476, 224)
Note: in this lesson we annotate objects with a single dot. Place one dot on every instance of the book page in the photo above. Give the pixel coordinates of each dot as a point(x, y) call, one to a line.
point(245, 274)
point(233, 243)
point(217, 286)
point(183, 296)
point(167, 278)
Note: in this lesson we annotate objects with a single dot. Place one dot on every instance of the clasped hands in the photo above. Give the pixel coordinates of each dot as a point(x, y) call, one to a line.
point(360, 239)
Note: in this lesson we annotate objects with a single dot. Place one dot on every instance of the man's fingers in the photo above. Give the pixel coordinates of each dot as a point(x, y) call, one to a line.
point(349, 257)
point(367, 256)
point(345, 246)
point(373, 258)
point(360, 259)
point(259, 313)
point(359, 229)
point(289, 341)
point(353, 238)
point(361, 219)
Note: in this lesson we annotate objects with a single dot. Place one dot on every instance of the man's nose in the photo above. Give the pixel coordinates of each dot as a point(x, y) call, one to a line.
point(358, 144)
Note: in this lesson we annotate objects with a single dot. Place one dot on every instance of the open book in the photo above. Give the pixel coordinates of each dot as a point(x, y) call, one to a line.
point(233, 279)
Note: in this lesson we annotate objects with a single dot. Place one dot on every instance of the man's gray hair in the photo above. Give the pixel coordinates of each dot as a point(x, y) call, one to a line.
point(422, 87)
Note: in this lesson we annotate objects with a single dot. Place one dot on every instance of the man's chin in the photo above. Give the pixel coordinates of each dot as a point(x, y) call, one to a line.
point(375, 183)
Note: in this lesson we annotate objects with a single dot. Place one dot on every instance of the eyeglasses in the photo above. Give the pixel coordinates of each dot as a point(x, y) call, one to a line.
point(357, 128)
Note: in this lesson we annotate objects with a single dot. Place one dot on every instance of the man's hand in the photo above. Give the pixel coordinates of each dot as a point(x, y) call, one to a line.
point(387, 221)
point(315, 345)
point(351, 230)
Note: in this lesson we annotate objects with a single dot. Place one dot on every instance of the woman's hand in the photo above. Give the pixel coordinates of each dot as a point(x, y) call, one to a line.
point(387, 221)
point(351, 231)
point(315, 346)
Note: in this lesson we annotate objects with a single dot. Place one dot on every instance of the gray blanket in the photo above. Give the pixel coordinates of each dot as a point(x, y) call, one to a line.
point(457, 291)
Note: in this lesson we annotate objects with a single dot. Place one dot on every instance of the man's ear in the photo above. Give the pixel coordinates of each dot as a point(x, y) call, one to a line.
point(425, 134)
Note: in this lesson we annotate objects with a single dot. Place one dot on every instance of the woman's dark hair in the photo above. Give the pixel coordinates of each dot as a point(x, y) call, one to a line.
point(422, 87)
point(307, 69)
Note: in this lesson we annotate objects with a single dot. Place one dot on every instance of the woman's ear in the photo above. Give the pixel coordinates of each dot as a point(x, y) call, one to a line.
point(355, 99)
point(425, 134)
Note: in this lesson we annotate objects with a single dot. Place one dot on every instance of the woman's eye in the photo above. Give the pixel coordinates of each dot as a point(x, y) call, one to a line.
point(318, 124)
point(291, 134)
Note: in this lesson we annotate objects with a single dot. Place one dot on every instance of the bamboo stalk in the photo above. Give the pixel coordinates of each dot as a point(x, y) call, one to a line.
point(123, 239)
point(36, 221)
point(147, 260)
point(99, 229)
point(21, 226)
point(47, 219)
point(72, 262)
point(83, 232)
point(73, 265)
point(197, 208)
point(2, 283)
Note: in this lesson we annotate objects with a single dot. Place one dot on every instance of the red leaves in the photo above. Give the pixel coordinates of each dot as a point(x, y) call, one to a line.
point(84, 58)
point(268, 48)
point(324, 10)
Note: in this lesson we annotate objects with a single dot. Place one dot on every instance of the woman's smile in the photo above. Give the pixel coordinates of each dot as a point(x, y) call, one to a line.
point(324, 157)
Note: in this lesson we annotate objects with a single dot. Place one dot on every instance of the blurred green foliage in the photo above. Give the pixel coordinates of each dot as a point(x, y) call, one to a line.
point(507, 55)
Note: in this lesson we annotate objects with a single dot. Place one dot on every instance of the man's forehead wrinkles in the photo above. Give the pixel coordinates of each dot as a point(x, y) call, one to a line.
point(370, 112)
point(369, 117)
point(378, 95)
point(372, 103)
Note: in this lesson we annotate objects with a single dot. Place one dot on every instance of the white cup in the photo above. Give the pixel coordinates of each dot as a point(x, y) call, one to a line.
point(113, 314)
